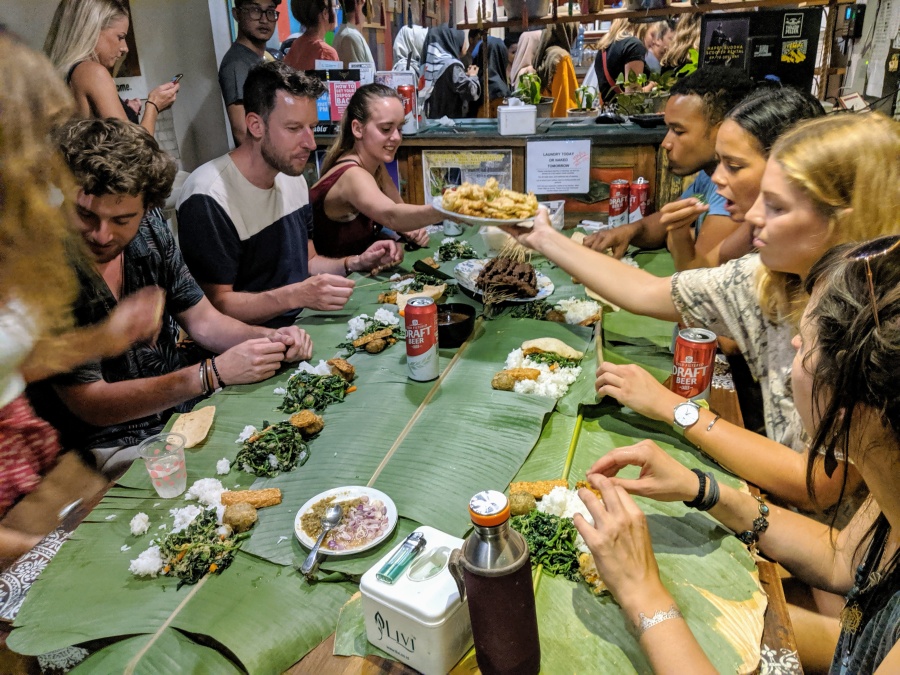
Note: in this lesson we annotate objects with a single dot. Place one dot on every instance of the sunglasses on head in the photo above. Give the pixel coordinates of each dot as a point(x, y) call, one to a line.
point(868, 251)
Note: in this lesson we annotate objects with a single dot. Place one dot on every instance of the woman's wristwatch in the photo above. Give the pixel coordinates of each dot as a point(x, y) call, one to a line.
point(687, 414)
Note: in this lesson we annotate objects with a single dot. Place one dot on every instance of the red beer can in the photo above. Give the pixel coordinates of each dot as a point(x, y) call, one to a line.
point(421, 339)
point(638, 200)
point(619, 194)
point(410, 114)
point(694, 363)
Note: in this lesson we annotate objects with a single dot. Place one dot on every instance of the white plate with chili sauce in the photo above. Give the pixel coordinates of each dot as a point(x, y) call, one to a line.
point(343, 494)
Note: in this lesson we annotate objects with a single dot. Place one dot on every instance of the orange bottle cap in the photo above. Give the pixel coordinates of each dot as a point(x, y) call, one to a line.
point(489, 508)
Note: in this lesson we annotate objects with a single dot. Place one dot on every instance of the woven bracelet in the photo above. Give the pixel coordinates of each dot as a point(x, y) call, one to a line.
point(712, 494)
point(698, 500)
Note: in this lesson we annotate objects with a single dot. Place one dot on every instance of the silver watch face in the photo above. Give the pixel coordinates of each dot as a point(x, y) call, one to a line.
point(687, 414)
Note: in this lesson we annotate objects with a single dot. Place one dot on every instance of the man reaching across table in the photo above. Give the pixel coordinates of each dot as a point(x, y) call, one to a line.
point(695, 110)
point(245, 222)
point(122, 176)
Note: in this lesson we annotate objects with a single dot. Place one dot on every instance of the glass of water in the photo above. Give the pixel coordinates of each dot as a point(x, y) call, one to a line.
point(163, 454)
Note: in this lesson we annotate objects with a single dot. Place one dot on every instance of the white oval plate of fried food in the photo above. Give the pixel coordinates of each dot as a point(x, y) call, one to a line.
point(468, 270)
point(488, 205)
point(367, 531)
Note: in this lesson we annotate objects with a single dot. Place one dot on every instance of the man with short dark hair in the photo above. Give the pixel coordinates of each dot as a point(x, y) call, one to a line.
point(123, 176)
point(245, 222)
point(255, 26)
point(349, 43)
point(696, 108)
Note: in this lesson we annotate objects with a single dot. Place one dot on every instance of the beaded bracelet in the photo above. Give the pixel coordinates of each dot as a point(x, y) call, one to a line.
point(216, 371)
point(760, 525)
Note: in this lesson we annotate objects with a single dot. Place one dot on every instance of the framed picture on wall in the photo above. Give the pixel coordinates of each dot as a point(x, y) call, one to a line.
point(431, 9)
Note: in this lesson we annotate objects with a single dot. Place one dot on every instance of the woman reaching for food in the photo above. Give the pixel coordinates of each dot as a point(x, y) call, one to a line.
point(815, 194)
point(845, 374)
point(86, 40)
point(356, 198)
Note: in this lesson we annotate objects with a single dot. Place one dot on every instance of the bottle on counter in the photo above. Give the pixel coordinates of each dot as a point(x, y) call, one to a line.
point(493, 570)
point(578, 47)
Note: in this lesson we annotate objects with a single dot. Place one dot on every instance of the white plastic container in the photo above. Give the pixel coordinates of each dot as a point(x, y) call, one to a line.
point(421, 623)
point(514, 120)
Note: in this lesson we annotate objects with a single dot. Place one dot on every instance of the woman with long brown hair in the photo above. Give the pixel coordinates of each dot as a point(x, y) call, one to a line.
point(356, 197)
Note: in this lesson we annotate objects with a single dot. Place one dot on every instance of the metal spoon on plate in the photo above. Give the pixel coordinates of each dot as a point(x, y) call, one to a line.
point(332, 517)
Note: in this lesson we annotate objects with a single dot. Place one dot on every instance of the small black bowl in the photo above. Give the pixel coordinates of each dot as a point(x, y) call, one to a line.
point(455, 323)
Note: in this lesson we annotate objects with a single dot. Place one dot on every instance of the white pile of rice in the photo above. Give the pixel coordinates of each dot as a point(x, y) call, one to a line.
point(577, 310)
point(565, 504)
point(359, 324)
point(140, 524)
point(248, 431)
point(207, 491)
point(321, 368)
point(401, 285)
point(184, 517)
point(147, 564)
point(223, 466)
point(550, 383)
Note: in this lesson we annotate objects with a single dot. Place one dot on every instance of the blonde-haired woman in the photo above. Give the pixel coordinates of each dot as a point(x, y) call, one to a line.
point(685, 37)
point(85, 42)
point(37, 282)
point(622, 52)
point(817, 192)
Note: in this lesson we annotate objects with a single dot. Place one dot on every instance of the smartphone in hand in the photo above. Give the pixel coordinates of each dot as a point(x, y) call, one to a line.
point(177, 78)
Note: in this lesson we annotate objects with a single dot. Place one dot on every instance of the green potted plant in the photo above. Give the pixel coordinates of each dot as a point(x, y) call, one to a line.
point(529, 90)
point(586, 97)
point(640, 100)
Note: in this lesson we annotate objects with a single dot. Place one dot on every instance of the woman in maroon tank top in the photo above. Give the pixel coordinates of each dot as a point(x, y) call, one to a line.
point(356, 198)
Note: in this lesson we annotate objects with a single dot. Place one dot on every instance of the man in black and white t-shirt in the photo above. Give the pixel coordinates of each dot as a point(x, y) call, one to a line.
point(245, 223)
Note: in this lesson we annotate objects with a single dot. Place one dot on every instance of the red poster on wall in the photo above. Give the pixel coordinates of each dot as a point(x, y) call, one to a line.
point(341, 92)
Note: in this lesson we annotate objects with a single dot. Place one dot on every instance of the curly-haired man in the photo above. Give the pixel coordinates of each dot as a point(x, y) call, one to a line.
point(122, 177)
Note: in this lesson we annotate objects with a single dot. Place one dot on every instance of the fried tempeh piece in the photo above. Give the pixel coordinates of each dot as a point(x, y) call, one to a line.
point(256, 498)
point(506, 380)
point(343, 368)
point(307, 422)
point(539, 488)
point(587, 486)
point(377, 335)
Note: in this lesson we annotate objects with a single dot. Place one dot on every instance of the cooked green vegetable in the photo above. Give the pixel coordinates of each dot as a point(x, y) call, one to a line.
point(453, 250)
point(700, 197)
point(305, 391)
point(199, 549)
point(531, 310)
point(278, 447)
point(420, 281)
point(551, 540)
point(550, 358)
